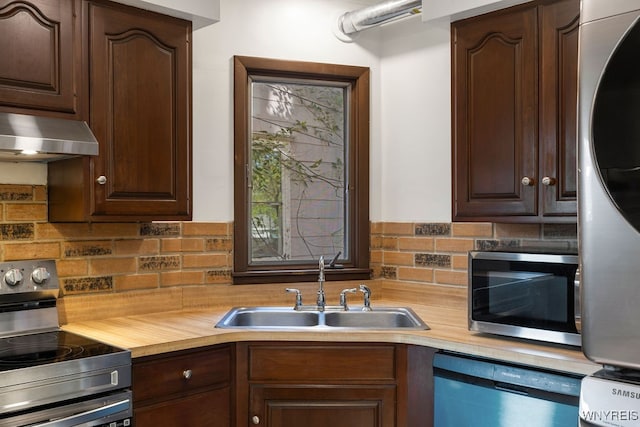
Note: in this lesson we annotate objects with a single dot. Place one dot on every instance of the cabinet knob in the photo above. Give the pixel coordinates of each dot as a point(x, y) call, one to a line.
point(255, 420)
point(102, 180)
point(548, 181)
point(187, 373)
point(527, 181)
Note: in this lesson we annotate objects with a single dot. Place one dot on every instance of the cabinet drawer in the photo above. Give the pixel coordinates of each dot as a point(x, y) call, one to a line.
point(321, 363)
point(181, 373)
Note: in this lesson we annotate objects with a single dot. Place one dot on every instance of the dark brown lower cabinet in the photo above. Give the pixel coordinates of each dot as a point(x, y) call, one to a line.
point(321, 406)
point(188, 389)
point(286, 384)
point(209, 408)
point(333, 384)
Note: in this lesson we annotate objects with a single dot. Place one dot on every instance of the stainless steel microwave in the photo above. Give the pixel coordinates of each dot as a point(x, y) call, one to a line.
point(524, 295)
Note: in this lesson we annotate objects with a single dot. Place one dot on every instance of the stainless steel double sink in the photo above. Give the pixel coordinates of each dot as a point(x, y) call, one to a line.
point(287, 318)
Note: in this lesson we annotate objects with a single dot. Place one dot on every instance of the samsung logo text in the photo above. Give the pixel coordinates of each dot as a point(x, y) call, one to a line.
point(625, 393)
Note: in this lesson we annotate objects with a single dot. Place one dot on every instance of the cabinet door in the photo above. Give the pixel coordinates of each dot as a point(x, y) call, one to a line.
point(140, 83)
point(333, 384)
point(40, 66)
point(494, 65)
point(321, 406)
point(210, 409)
point(558, 106)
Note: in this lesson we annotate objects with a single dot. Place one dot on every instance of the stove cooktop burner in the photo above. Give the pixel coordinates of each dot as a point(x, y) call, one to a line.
point(48, 347)
point(32, 354)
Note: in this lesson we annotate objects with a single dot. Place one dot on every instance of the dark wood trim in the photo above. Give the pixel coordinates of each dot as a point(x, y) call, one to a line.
point(419, 387)
point(356, 268)
point(293, 276)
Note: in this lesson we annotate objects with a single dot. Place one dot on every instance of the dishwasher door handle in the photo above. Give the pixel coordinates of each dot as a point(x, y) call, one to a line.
point(511, 388)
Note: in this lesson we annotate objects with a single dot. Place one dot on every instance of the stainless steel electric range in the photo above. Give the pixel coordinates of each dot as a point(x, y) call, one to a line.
point(50, 377)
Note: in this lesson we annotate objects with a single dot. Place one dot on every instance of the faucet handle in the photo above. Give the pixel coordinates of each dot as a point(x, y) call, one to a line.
point(343, 297)
point(367, 297)
point(298, 297)
point(332, 263)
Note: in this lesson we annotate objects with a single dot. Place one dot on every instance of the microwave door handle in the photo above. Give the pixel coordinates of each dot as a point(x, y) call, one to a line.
point(577, 304)
point(85, 417)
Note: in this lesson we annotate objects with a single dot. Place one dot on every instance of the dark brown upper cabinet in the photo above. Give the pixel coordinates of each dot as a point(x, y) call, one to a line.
point(139, 81)
point(40, 44)
point(514, 101)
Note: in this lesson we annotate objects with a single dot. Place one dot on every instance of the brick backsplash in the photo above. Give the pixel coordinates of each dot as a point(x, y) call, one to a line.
point(436, 253)
point(112, 257)
point(120, 257)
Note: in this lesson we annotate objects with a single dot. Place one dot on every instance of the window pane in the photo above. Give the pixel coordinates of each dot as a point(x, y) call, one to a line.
point(298, 152)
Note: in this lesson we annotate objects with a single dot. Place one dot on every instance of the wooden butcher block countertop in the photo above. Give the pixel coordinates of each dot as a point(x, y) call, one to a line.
point(155, 333)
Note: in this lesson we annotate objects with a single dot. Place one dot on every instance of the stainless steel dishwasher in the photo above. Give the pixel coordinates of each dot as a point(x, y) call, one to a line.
point(473, 392)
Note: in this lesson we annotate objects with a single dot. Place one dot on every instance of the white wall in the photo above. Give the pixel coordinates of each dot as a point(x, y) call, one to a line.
point(415, 178)
point(284, 29)
point(410, 100)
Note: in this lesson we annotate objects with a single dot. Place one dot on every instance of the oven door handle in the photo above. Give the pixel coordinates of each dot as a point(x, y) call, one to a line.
point(85, 417)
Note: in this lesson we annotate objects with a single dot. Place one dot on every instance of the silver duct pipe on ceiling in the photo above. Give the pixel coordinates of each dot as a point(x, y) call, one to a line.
point(377, 14)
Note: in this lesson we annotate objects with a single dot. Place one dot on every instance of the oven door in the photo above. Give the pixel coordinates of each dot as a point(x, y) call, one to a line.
point(111, 410)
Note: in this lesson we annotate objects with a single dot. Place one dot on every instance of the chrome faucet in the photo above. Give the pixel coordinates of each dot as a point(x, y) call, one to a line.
point(321, 303)
point(321, 298)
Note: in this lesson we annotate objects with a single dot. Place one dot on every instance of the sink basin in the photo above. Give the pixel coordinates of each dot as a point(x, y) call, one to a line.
point(383, 318)
point(261, 317)
point(309, 319)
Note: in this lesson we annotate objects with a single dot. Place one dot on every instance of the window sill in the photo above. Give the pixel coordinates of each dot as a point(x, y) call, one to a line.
point(291, 276)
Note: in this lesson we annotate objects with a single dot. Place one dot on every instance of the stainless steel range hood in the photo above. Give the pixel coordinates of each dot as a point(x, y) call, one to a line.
point(25, 138)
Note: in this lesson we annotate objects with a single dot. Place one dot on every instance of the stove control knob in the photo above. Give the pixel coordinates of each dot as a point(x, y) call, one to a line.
point(40, 275)
point(13, 277)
